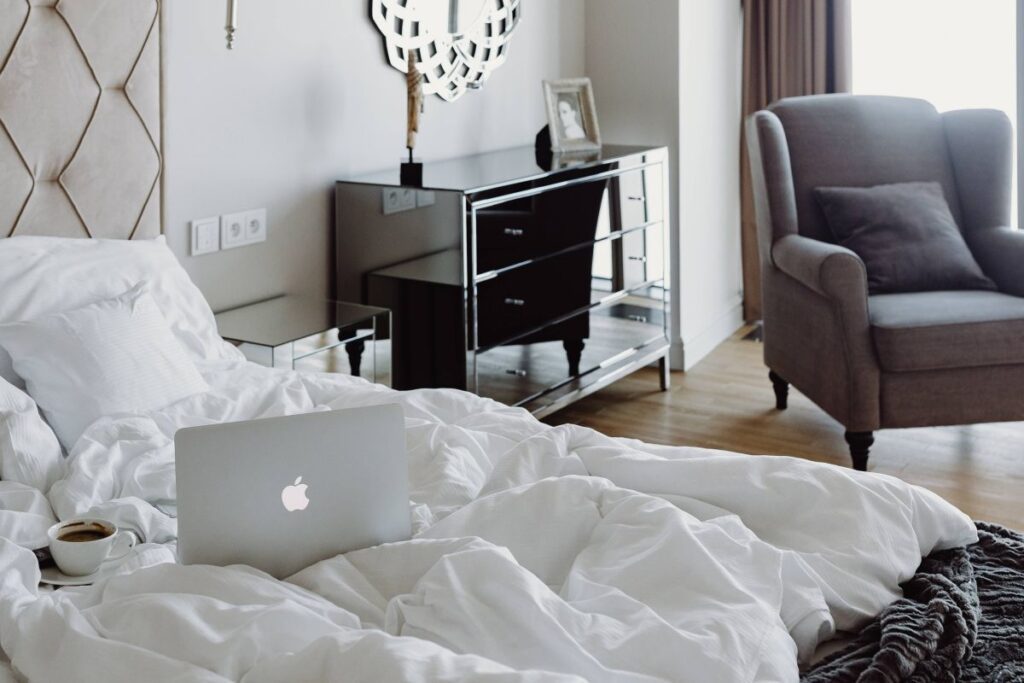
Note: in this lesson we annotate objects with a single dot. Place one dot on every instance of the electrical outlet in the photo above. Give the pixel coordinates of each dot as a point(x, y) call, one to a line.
point(205, 236)
point(232, 230)
point(255, 226)
point(398, 199)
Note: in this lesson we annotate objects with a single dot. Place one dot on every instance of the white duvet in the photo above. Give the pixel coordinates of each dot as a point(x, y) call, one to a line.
point(540, 554)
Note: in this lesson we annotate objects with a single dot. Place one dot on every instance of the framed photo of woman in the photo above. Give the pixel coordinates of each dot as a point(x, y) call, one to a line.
point(572, 116)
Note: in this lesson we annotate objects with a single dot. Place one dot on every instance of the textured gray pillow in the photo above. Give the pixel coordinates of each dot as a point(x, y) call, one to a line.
point(906, 236)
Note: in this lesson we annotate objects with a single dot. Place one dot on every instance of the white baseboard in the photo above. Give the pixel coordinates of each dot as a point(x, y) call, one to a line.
point(676, 355)
point(693, 350)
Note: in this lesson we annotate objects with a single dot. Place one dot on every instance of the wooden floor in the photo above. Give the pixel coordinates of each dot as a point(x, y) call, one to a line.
point(727, 402)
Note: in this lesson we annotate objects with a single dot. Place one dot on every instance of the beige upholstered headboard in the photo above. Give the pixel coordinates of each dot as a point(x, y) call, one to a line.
point(80, 99)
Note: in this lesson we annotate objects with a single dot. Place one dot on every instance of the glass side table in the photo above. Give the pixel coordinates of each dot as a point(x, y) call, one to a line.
point(285, 330)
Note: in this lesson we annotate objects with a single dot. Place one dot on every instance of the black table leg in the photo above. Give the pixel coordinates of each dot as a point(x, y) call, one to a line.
point(574, 352)
point(355, 355)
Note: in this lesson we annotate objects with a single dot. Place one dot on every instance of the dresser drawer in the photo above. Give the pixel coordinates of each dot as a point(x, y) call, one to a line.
point(534, 295)
point(504, 238)
point(640, 197)
point(643, 256)
point(517, 373)
point(559, 219)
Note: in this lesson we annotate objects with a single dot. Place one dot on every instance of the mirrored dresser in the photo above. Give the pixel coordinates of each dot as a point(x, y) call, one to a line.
point(530, 280)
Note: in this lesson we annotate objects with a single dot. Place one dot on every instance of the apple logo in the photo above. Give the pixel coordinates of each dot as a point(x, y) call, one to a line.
point(294, 496)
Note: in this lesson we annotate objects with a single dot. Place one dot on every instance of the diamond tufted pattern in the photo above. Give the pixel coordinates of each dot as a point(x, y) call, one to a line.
point(80, 118)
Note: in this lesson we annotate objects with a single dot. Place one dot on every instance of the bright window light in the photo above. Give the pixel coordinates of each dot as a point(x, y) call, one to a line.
point(957, 54)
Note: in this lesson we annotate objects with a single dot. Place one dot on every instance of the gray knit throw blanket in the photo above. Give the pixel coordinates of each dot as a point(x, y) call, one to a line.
point(961, 618)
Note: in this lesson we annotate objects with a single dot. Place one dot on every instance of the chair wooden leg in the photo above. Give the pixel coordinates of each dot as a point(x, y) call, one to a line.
point(860, 443)
point(781, 388)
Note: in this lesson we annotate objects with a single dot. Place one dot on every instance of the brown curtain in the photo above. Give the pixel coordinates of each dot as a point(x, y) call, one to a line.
point(790, 48)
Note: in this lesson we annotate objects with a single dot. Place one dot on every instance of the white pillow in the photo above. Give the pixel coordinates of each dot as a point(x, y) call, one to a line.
point(113, 356)
point(43, 275)
point(29, 452)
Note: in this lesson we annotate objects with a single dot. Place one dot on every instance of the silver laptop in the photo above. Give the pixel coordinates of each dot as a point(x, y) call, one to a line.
point(283, 493)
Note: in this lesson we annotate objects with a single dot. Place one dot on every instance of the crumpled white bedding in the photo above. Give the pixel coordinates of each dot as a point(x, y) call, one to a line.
point(540, 554)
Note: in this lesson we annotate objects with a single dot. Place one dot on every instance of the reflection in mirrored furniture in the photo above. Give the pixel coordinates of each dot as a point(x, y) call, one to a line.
point(533, 285)
point(286, 331)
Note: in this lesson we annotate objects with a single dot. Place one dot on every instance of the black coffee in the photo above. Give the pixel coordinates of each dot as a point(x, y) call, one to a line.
point(75, 535)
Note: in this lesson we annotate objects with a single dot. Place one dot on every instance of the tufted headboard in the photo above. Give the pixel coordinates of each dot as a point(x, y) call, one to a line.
point(80, 119)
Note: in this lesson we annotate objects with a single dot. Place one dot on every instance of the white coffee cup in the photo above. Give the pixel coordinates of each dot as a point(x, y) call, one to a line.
point(80, 546)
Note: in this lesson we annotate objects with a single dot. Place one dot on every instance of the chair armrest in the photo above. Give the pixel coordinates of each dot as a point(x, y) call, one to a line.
point(828, 269)
point(1000, 253)
point(817, 329)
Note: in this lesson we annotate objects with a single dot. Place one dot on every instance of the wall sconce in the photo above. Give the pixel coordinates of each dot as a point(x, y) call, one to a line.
point(232, 22)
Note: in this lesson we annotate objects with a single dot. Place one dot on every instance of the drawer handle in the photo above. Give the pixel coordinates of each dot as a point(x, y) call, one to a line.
point(514, 302)
point(637, 198)
point(640, 259)
point(638, 318)
point(514, 232)
point(516, 373)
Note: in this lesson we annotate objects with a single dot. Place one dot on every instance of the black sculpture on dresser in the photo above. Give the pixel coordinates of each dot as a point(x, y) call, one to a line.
point(534, 286)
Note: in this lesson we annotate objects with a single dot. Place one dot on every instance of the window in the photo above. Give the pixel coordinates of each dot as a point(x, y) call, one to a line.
point(957, 54)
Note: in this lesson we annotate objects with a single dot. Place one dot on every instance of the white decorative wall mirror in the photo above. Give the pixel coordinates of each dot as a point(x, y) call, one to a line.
point(455, 44)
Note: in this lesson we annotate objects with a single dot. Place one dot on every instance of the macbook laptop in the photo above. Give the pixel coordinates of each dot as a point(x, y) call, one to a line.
point(283, 493)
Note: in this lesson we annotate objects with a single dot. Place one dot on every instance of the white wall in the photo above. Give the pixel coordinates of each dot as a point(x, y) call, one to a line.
point(668, 72)
point(304, 98)
point(632, 53)
point(711, 275)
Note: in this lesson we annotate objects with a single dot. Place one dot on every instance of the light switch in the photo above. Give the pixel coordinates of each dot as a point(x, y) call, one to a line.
point(232, 230)
point(205, 236)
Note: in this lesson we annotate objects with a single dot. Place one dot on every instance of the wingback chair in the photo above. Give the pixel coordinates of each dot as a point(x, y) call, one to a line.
point(889, 360)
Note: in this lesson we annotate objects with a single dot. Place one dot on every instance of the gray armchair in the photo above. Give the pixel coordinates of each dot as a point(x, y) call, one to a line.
point(891, 360)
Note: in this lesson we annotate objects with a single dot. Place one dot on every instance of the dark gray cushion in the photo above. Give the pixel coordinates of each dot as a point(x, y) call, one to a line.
point(906, 236)
point(946, 330)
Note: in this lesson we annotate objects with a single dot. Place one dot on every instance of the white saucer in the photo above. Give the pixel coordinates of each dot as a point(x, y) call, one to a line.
point(56, 577)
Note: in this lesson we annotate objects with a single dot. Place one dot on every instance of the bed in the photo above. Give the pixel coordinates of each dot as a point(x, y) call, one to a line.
point(539, 554)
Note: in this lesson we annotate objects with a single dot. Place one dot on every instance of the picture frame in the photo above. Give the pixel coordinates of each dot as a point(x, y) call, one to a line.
point(572, 115)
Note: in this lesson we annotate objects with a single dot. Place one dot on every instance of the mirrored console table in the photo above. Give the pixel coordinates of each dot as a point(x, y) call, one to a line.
point(284, 331)
point(531, 281)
